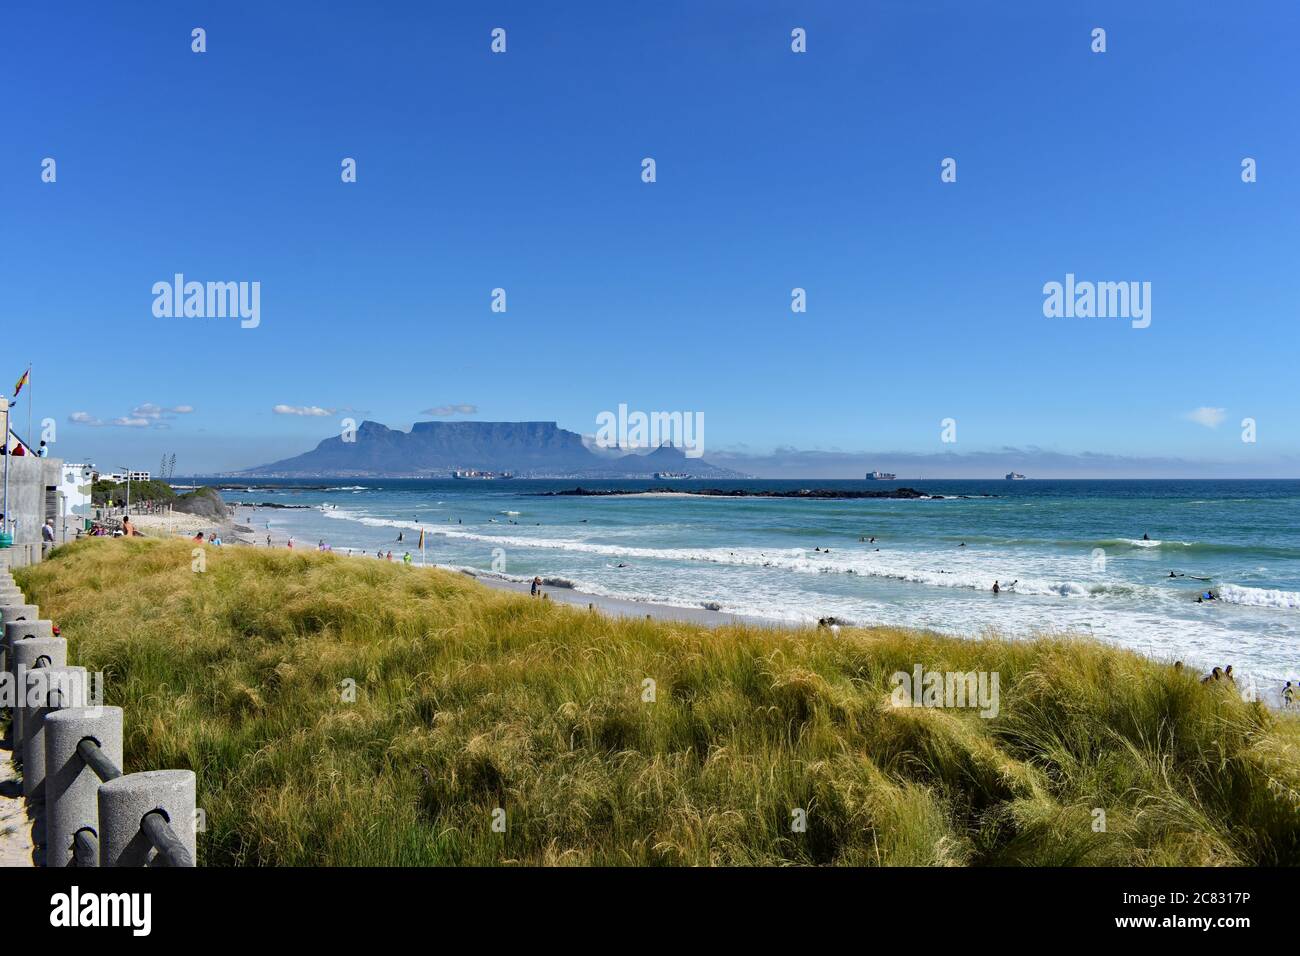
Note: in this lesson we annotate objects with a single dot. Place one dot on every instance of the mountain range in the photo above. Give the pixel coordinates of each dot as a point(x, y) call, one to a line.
point(435, 449)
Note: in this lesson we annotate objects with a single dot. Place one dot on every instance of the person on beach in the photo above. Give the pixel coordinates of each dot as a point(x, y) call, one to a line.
point(406, 559)
point(1227, 675)
point(537, 586)
point(1214, 676)
point(268, 540)
point(289, 544)
point(128, 529)
point(1288, 695)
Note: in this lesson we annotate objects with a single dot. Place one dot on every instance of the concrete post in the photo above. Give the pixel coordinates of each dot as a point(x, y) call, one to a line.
point(123, 804)
point(53, 688)
point(19, 612)
point(72, 788)
point(17, 631)
point(25, 654)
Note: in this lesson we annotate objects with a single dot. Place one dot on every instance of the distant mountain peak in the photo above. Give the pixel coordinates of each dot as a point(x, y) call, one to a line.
point(434, 449)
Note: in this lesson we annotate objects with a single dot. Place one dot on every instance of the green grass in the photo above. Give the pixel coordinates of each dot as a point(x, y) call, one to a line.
point(470, 699)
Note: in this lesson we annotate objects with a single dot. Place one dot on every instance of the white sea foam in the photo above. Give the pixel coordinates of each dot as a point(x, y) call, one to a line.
point(969, 572)
point(1259, 597)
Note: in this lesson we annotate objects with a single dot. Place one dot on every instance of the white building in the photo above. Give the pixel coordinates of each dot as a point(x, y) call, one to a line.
point(121, 476)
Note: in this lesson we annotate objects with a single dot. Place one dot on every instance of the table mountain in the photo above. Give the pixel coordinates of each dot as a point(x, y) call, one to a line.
point(435, 449)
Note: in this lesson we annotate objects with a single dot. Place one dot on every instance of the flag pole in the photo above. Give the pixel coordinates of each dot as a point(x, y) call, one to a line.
point(4, 526)
point(29, 403)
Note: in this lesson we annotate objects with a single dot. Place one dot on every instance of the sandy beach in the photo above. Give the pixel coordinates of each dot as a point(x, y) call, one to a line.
point(177, 523)
point(245, 527)
point(16, 843)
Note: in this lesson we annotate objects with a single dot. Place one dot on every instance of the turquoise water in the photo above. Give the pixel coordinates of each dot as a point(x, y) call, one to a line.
point(1075, 548)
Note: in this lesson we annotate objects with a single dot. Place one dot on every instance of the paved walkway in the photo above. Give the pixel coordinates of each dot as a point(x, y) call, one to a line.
point(17, 848)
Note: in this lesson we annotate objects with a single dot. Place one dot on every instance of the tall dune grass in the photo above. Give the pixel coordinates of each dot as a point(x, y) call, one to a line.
point(469, 700)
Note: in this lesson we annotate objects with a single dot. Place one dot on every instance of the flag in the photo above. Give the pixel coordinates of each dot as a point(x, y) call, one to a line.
point(421, 539)
point(22, 381)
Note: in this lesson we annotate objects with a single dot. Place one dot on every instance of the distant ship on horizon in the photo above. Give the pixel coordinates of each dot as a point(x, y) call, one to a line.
point(480, 475)
point(1015, 476)
point(671, 475)
point(881, 476)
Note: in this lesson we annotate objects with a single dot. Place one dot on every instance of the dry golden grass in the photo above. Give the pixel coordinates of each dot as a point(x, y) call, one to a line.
point(469, 700)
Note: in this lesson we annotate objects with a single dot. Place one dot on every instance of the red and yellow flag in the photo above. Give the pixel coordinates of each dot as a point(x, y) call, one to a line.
point(421, 539)
point(22, 381)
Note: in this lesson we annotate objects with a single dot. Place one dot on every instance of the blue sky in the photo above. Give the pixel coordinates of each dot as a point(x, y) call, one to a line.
point(775, 170)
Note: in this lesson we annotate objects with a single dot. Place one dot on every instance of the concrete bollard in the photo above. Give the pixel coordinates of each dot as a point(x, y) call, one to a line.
point(19, 612)
point(25, 655)
point(53, 688)
point(123, 804)
point(17, 631)
point(72, 788)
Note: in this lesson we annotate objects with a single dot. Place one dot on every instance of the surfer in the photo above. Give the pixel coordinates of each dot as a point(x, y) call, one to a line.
point(996, 588)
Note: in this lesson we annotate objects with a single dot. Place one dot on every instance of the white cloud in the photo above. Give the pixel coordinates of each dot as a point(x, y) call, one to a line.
point(314, 411)
point(131, 422)
point(1209, 417)
point(84, 418)
point(451, 410)
point(157, 413)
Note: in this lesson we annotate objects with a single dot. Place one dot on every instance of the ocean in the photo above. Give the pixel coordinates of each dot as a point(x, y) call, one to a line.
point(1075, 550)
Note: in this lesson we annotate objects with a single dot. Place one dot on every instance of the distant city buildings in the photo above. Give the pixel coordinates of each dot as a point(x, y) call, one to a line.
point(121, 476)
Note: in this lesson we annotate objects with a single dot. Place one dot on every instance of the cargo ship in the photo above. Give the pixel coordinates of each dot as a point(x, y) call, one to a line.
point(1015, 476)
point(881, 476)
point(670, 475)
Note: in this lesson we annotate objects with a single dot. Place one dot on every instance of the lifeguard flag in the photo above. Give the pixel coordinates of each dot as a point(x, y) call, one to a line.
point(22, 381)
point(421, 539)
